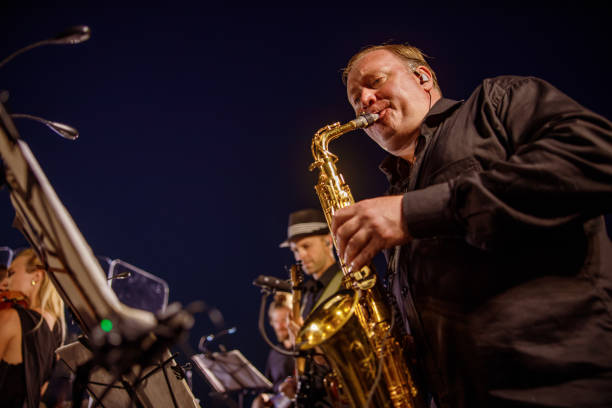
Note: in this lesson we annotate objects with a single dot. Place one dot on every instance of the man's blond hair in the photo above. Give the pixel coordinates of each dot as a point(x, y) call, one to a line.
point(413, 57)
point(282, 300)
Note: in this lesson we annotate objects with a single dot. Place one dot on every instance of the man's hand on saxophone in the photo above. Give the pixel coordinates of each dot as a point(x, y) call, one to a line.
point(365, 228)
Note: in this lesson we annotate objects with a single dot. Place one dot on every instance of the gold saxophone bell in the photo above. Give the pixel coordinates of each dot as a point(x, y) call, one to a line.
point(353, 328)
point(336, 329)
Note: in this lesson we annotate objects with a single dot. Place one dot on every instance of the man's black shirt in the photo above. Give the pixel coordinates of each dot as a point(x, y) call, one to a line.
point(314, 288)
point(507, 284)
point(279, 367)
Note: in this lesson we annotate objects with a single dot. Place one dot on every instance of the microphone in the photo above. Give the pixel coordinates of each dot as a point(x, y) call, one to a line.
point(270, 282)
point(72, 35)
point(65, 131)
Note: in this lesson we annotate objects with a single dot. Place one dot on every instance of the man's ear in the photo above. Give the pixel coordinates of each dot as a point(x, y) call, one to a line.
point(425, 78)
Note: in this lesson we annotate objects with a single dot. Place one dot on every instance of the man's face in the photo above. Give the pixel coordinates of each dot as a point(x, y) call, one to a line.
point(380, 82)
point(279, 320)
point(314, 252)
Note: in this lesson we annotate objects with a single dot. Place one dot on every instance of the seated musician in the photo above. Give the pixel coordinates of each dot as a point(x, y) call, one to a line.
point(278, 366)
point(33, 323)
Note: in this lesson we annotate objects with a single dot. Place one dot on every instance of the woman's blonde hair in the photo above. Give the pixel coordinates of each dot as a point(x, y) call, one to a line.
point(48, 297)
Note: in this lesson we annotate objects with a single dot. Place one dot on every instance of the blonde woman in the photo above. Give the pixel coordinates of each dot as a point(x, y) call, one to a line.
point(29, 336)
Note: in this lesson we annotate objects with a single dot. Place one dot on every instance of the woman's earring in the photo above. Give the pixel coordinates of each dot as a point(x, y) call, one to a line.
point(33, 282)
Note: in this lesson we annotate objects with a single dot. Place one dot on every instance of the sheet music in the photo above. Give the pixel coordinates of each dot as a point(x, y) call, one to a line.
point(230, 371)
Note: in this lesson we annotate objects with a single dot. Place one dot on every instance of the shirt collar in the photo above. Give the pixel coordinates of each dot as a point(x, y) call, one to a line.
point(323, 281)
point(394, 167)
point(329, 274)
point(442, 109)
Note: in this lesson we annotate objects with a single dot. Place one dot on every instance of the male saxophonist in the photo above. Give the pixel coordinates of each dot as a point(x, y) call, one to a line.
point(493, 229)
point(278, 366)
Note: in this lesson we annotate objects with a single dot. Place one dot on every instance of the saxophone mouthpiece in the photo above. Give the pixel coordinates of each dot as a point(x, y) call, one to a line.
point(365, 119)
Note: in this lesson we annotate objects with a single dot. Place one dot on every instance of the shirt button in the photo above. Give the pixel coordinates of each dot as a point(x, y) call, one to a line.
point(404, 291)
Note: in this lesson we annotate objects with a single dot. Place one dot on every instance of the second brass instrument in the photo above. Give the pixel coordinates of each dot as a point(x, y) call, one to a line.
point(297, 277)
point(353, 328)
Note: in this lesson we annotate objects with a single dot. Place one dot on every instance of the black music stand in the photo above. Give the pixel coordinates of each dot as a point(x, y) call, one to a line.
point(151, 385)
point(78, 277)
point(230, 371)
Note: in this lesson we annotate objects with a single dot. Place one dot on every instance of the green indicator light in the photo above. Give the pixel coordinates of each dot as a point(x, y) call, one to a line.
point(106, 325)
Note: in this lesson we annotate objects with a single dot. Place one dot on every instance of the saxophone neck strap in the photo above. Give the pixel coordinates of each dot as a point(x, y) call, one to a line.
point(332, 287)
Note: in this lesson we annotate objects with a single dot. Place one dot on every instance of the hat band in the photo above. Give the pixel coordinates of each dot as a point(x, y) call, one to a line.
point(304, 228)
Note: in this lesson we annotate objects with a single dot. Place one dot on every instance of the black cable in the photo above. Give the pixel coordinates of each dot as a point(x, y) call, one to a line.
point(169, 387)
point(135, 384)
point(109, 386)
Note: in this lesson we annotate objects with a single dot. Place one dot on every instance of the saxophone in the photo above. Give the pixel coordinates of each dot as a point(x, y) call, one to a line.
point(353, 328)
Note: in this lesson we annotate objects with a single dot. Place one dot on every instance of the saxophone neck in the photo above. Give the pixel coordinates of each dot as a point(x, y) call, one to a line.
point(322, 138)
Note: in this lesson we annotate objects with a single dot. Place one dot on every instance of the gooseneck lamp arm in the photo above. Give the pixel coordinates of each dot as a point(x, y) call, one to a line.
point(65, 131)
point(73, 35)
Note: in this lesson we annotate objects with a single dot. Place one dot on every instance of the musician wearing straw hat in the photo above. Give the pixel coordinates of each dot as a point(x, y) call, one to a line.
point(309, 239)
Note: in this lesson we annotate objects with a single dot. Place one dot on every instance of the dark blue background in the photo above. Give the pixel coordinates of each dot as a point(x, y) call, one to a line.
point(196, 122)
